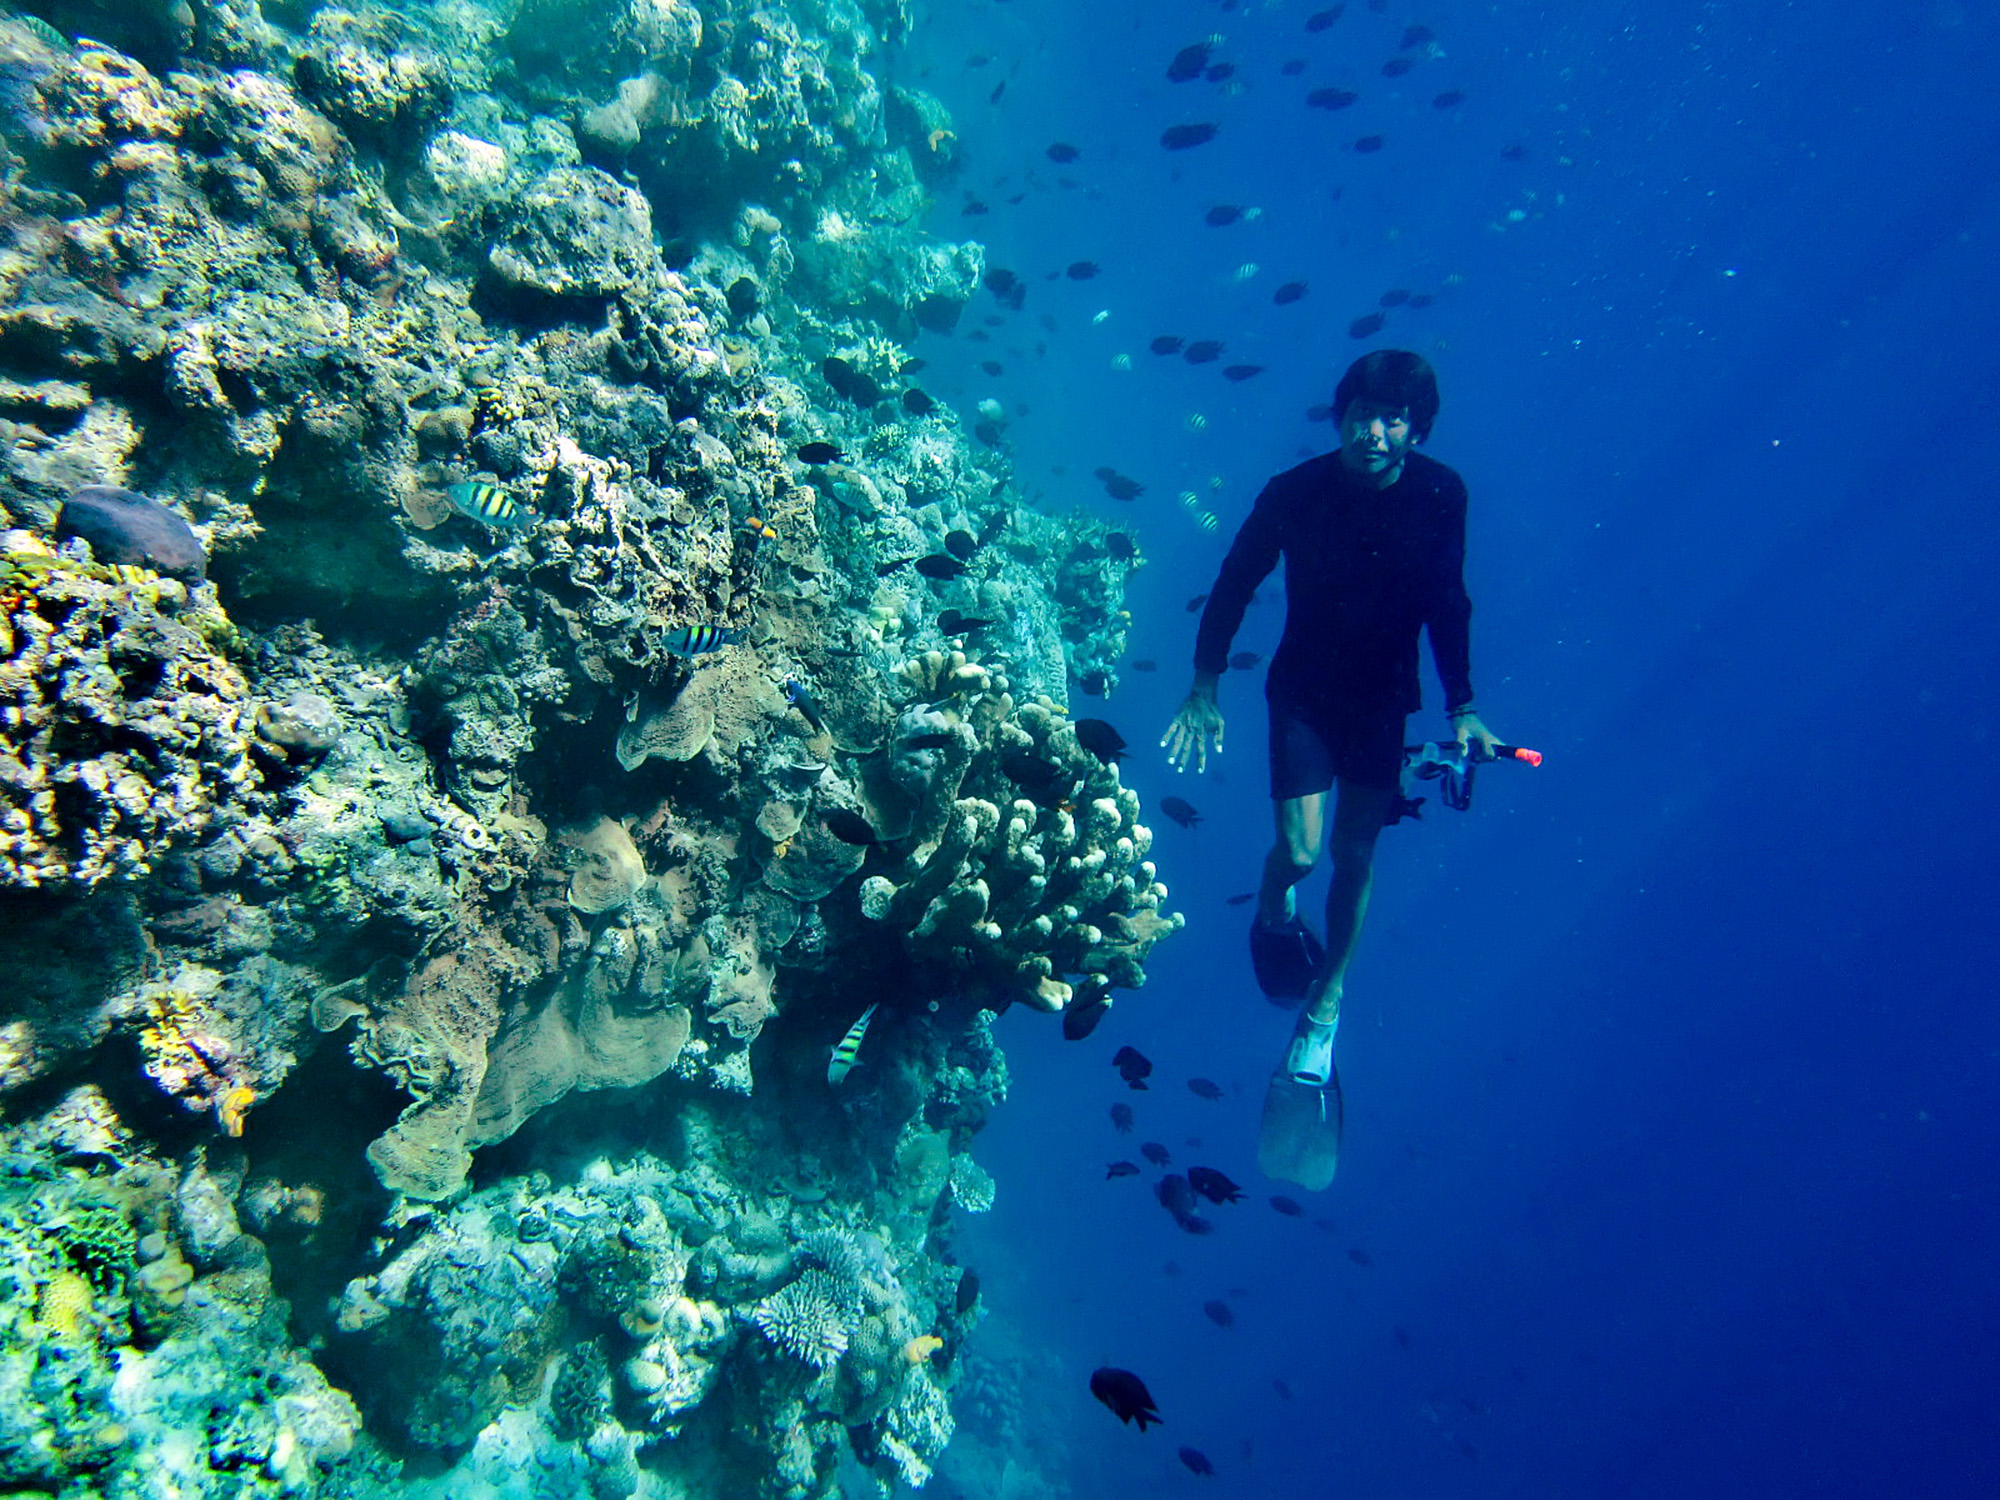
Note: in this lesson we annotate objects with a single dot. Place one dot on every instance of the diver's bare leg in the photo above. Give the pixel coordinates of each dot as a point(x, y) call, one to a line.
point(1359, 815)
point(1300, 821)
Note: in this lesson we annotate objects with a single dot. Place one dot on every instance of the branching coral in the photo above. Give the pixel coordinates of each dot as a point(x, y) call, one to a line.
point(811, 1319)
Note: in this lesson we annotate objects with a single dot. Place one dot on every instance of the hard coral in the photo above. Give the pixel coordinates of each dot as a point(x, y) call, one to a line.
point(122, 727)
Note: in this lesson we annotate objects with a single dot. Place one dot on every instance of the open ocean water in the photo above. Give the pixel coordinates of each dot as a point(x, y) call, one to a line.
point(1670, 1067)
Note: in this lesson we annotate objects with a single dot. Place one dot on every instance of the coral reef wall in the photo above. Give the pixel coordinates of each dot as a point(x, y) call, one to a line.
point(444, 912)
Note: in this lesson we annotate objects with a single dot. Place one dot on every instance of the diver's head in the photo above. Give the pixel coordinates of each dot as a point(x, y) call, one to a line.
point(1391, 380)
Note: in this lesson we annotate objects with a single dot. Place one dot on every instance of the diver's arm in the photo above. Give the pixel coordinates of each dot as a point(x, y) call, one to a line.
point(1252, 555)
point(1448, 622)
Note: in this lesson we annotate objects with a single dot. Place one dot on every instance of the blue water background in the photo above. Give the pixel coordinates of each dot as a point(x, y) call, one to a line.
point(1671, 1067)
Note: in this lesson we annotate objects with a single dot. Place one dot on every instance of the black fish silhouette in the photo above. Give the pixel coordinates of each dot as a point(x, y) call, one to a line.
point(1126, 1395)
point(1184, 137)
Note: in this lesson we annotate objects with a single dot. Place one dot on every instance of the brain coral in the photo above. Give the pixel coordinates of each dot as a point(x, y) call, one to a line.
point(122, 726)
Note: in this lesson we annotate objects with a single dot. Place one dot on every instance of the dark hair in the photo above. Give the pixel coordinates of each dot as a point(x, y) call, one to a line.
point(1392, 378)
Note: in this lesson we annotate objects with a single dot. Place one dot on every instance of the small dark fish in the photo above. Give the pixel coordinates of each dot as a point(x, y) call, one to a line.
point(1097, 683)
point(1197, 1461)
point(1222, 214)
point(917, 404)
point(1121, 1169)
point(1366, 326)
point(819, 453)
point(1186, 137)
point(1403, 1339)
point(1204, 1088)
point(1145, 664)
point(1368, 145)
point(1219, 1313)
point(1331, 98)
point(1396, 67)
point(961, 544)
point(1181, 811)
point(1063, 151)
point(1117, 544)
point(1244, 661)
point(1241, 898)
point(1042, 782)
point(1121, 1118)
point(1213, 1185)
point(1001, 282)
point(1421, 299)
point(1293, 67)
point(1081, 270)
point(1395, 297)
point(1320, 413)
point(991, 367)
point(1155, 1153)
point(1515, 152)
point(1123, 487)
point(952, 622)
point(1167, 343)
point(699, 640)
point(1189, 63)
point(848, 827)
point(1085, 1010)
point(884, 569)
point(1175, 1196)
point(1126, 1395)
point(1320, 20)
point(1241, 373)
point(911, 366)
point(992, 434)
point(1284, 1391)
point(968, 1291)
point(1291, 291)
point(1101, 740)
point(1218, 72)
point(998, 89)
point(1417, 35)
point(940, 565)
point(1203, 351)
point(804, 702)
point(1464, 1445)
point(1196, 602)
point(1360, 1257)
point(742, 298)
point(1449, 99)
point(973, 209)
point(1132, 1066)
point(1289, 1207)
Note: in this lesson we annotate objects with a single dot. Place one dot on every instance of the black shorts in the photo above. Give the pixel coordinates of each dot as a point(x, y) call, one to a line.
point(1309, 756)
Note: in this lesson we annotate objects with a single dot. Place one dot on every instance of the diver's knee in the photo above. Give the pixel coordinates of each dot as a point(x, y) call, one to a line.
point(1352, 856)
point(1292, 861)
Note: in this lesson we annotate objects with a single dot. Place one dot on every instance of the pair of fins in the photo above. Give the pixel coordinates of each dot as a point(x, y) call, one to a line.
point(1299, 1140)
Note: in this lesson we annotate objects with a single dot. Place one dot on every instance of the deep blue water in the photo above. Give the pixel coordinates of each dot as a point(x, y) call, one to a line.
point(1672, 1123)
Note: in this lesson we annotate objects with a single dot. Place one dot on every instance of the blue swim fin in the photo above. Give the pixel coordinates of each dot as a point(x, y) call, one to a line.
point(1300, 1138)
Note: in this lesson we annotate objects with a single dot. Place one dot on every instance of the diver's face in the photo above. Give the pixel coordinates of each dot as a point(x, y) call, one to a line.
point(1374, 442)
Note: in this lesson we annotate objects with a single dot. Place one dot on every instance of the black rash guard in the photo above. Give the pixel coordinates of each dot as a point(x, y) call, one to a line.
point(1365, 569)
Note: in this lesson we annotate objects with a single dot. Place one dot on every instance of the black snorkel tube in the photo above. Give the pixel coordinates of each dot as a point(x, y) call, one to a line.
point(1450, 765)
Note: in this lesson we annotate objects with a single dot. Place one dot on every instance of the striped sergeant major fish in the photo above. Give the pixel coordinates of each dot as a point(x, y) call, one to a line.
point(845, 1049)
point(488, 504)
point(700, 640)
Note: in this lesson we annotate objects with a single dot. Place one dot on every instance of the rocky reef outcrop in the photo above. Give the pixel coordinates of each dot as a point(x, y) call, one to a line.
point(435, 895)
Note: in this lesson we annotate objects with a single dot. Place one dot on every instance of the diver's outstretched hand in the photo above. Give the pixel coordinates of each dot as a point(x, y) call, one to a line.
point(1199, 720)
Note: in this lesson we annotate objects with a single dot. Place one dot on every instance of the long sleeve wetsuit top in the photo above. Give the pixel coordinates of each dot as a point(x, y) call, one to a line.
point(1365, 570)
